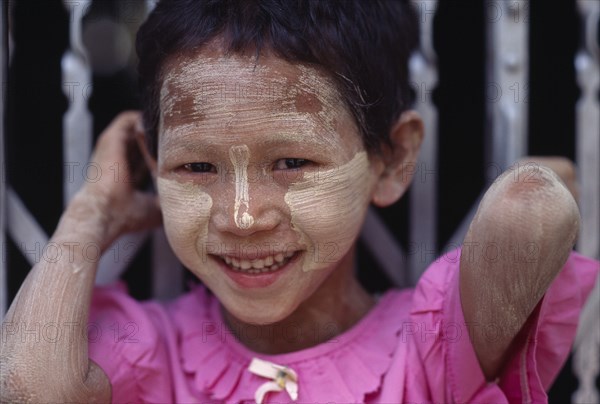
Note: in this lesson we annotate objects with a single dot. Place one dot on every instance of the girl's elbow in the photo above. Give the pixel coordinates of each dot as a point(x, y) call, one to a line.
point(20, 383)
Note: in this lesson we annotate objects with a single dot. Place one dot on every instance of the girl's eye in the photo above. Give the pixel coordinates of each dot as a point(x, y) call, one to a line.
point(290, 164)
point(200, 168)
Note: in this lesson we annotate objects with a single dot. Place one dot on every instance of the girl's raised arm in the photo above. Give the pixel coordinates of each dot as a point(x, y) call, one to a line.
point(38, 366)
point(517, 243)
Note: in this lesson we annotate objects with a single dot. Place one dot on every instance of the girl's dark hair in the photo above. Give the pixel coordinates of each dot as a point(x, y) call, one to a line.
point(363, 44)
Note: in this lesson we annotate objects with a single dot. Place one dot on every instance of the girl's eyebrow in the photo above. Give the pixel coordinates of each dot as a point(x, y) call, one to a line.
point(291, 139)
point(175, 149)
point(174, 144)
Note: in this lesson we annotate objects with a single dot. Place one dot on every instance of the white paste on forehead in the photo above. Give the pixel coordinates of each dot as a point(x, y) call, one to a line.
point(327, 210)
point(186, 210)
point(325, 91)
point(227, 92)
point(240, 158)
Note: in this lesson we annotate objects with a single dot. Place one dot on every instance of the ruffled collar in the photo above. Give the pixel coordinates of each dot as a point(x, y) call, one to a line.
point(346, 368)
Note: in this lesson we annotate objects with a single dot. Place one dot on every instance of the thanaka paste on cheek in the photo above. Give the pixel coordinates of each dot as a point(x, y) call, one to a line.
point(186, 213)
point(327, 210)
point(240, 158)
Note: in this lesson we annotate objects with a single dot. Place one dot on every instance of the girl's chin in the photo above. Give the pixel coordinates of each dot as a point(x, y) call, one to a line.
point(257, 314)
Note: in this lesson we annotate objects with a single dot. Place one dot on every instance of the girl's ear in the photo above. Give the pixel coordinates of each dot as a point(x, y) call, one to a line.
point(150, 161)
point(399, 159)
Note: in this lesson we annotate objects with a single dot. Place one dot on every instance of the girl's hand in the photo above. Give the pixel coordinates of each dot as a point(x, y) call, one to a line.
point(59, 291)
point(114, 204)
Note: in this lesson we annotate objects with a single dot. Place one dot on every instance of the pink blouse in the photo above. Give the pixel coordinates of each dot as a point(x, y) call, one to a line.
point(413, 346)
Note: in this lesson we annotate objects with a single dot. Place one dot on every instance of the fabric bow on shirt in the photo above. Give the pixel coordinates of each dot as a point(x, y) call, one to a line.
point(282, 378)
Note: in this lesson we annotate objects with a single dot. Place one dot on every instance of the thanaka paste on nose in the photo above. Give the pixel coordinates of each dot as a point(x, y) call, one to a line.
point(240, 157)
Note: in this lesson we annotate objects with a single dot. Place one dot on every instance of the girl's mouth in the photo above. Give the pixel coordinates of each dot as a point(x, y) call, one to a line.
point(257, 272)
point(270, 263)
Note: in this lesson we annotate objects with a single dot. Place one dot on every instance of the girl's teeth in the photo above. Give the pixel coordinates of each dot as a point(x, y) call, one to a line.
point(257, 266)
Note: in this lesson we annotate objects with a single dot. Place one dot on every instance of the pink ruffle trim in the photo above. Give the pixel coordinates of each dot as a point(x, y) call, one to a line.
point(348, 367)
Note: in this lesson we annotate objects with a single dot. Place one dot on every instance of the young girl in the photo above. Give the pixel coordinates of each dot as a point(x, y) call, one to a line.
point(270, 126)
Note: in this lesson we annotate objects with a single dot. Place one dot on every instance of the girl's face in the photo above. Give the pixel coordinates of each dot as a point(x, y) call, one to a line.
point(263, 179)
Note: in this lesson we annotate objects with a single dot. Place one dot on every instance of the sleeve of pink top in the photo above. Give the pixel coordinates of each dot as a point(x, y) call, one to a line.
point(125, 342)
point(449, 368)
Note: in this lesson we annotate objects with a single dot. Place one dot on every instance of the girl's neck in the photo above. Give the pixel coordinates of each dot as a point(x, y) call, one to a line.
point(338, 304)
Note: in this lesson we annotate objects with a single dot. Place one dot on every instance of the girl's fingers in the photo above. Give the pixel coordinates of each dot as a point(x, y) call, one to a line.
point(112, 143)
point(126, 123)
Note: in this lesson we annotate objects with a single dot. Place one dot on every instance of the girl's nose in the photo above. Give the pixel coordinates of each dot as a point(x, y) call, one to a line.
point(260, 212)
point(245, 214)
point(240, 158)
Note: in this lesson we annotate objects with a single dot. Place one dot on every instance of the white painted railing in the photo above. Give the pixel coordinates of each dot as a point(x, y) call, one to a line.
point(507, 73)
point(423, 194)
point(586, 358)
point(77, 122)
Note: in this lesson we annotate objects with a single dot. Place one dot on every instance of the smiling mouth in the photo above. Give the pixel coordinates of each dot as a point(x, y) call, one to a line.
point(257, 266)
